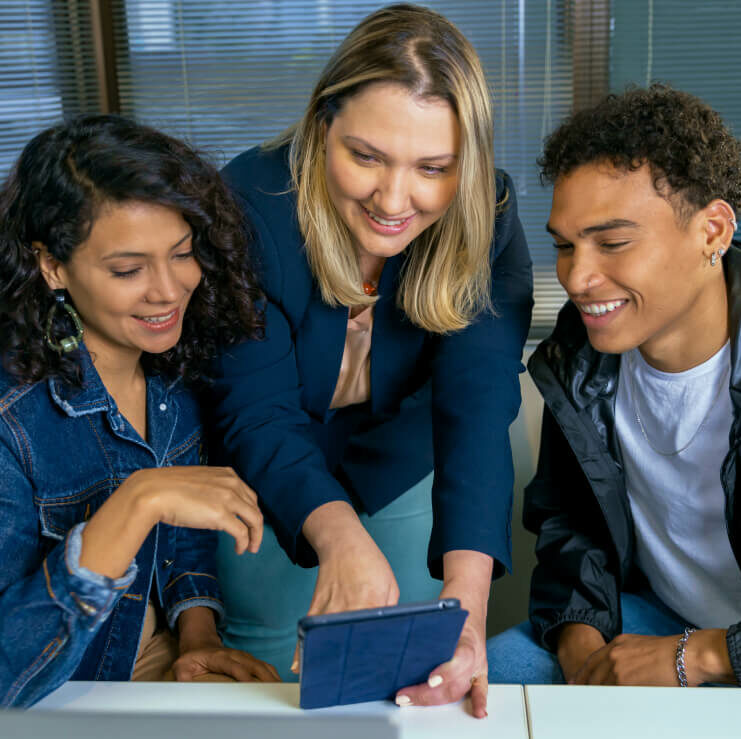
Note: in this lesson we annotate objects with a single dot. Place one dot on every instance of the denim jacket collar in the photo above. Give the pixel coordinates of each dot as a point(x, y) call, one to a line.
point(93, 396)
point(79, 401)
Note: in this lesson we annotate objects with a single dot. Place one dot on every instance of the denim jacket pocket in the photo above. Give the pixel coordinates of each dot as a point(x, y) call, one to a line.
point(59, 511)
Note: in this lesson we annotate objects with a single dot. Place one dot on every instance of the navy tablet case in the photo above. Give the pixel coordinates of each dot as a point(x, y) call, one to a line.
point(369, 655)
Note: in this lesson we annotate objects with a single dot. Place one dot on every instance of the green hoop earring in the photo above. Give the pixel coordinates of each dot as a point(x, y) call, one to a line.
point(68, 343)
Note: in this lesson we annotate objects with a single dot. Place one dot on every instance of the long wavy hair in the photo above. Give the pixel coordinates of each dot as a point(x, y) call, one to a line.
point(53, 195)
point(447, 273)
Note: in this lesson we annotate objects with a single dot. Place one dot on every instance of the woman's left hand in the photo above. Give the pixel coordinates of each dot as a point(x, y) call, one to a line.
point(238, 665)
point(468, 578)
point(451, 681)
point(202, 653)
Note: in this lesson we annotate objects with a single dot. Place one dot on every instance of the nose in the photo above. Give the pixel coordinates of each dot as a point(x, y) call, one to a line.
point(579, 270)
point(163, 286)
point(392, 194)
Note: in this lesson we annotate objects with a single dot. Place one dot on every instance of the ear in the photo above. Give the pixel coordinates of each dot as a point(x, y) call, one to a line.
point(718, 223)
point(52, 270)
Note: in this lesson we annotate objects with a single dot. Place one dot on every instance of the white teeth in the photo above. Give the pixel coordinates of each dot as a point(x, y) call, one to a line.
point(599, 309)
point(157, 319)
point(385, 221)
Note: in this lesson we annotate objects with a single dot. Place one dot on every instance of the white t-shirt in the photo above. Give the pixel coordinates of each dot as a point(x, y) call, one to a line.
point(677, 501)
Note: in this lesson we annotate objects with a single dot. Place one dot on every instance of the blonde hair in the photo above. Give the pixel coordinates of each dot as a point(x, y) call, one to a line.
point(446, 279)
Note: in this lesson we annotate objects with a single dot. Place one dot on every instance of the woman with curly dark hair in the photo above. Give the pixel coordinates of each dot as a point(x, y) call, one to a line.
point(123, 267)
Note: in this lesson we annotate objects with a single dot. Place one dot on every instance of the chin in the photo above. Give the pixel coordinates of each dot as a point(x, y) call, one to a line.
point(160, 347)
point(610, 344)
point(386, 249)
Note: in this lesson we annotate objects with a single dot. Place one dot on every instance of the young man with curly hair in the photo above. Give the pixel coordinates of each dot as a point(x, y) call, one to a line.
point(634, 501)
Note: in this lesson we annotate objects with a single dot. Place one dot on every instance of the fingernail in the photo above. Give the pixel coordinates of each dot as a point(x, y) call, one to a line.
point(435, 680)
point(294, 666)
point(403, 700)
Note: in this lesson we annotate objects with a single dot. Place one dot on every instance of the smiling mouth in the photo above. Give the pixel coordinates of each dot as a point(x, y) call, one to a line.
point(390, 222)
point(600, 309)
point(158, 319)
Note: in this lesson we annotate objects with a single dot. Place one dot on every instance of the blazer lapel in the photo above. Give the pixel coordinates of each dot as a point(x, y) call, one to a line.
point(320, 343)
point(395, 343)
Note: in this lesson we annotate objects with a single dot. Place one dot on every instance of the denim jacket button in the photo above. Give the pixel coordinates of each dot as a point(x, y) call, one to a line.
point(163, 406)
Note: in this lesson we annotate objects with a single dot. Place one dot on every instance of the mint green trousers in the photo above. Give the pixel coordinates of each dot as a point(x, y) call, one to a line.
point(265, 594)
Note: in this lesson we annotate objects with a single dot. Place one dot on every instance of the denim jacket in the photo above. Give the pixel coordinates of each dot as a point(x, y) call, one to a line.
point(63, 452)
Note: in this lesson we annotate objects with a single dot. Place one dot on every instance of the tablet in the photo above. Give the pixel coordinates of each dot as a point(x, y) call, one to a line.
point(370, 654)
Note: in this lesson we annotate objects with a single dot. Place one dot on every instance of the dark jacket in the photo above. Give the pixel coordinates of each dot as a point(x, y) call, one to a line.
point(577, 503)
point(63, 452)
point(451, 398)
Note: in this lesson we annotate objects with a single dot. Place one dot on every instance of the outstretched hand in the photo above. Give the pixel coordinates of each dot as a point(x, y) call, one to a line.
point(356, 576)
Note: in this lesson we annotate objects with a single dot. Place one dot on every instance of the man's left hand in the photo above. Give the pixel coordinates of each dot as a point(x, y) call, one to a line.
point(631, 659)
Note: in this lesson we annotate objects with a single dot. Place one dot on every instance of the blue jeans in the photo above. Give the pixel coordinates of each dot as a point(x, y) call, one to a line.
point(265, 594)
point(515, 657)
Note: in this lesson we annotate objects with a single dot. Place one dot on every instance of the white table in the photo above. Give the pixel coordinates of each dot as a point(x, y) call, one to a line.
point(537, 712)
point(506, 706)
point(587, 712)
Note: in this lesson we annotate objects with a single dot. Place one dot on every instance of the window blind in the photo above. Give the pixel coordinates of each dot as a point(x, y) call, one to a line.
point(692, 45)
point(46, 69)
point(230, 75)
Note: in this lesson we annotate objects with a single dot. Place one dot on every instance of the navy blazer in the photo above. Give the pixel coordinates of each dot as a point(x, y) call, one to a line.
point(442, 402)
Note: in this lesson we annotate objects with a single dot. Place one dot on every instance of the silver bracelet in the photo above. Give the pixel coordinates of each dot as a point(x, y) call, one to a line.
point(681, 647)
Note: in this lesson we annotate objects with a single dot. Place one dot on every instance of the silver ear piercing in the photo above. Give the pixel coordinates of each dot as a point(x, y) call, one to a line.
point(714, 256)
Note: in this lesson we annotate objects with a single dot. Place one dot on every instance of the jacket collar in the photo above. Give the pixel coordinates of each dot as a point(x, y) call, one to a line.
point(732, 267)
point(92, 396)
point(586, 375)
point(579, 387)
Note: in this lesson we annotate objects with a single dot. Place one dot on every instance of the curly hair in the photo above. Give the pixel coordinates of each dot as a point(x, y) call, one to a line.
point(53, 195)
point(689, 150)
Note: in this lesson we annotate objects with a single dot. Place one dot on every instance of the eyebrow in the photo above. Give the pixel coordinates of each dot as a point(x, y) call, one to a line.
point(138, 254)
point(368, 145)
point(598, 227)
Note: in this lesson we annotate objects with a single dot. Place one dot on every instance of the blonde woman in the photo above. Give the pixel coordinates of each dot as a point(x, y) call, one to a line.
point(395, 326)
